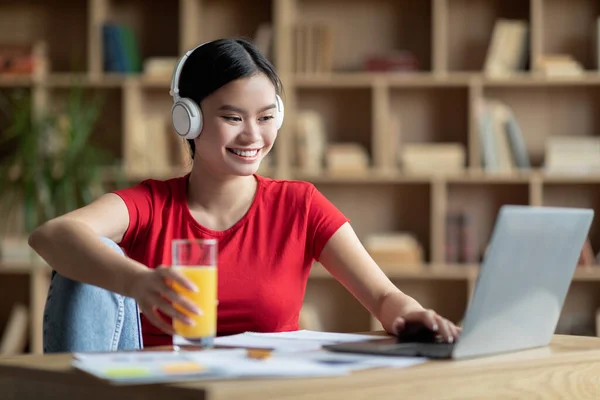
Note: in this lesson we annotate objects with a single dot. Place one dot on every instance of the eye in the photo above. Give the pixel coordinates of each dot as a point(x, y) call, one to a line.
point(266, 117)
point(234, 119)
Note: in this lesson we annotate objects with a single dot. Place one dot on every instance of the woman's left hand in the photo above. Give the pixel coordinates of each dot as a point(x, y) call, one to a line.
point(445, 328)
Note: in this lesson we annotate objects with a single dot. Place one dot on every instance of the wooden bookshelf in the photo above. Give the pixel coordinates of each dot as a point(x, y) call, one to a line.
point(436, 103)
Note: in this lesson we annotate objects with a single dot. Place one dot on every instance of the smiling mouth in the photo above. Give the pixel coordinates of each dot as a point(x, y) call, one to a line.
point(244, 153)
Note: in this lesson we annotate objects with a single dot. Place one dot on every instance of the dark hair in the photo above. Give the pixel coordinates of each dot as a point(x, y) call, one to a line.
point(219, 62)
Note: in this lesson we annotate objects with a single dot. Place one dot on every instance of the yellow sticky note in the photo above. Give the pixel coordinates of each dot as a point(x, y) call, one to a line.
point(126, 372)
point(179, 368)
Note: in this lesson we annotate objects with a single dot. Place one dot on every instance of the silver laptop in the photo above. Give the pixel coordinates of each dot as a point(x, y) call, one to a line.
point(520, 290)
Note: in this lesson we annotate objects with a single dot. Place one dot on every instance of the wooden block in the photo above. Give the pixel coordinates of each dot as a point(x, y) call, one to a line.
point(433, 157)
point(310, 141)
point(347, 157)
point(572, 154)
point(14, 337)
point(395, 248)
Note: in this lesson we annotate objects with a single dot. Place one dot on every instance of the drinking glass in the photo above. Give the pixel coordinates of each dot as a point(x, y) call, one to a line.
point(196, 259)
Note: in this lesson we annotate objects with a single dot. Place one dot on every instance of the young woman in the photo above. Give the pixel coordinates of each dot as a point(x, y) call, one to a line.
point(269, 231)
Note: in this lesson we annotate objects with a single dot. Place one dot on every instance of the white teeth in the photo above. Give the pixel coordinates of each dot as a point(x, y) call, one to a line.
point(245, 153)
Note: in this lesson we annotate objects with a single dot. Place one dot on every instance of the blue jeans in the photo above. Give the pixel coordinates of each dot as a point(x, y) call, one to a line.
point(83, 318)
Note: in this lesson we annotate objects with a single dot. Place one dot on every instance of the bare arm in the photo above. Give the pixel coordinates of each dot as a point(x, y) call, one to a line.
point(71, 245)
point(347, 260)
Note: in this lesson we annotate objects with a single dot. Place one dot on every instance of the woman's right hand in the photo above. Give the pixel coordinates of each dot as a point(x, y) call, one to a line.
point(153, 292)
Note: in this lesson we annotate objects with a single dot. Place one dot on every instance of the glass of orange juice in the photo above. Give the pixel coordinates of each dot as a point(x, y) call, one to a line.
point(196, 259)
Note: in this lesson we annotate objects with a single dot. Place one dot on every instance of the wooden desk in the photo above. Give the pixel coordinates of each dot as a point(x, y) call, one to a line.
point(568, 368)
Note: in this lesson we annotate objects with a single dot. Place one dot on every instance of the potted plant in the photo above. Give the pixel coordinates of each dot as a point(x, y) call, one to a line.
point(53, 167)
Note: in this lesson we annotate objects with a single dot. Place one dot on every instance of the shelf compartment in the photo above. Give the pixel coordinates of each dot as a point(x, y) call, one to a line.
point(334, 303)
point(15, 289)
point(569, 27)
point(233, 18)
point(379, 208)
point(10, 98)
point(155, 25)
point(449, 298)
point(374, 28)
point(151, 146)
point(345, 114)
point(431, 115)
point(578, 315)
point(480, 202)
point(61, 24)
point(543, 112)
point(108, 130)
point(576, 195)
point(470, 27)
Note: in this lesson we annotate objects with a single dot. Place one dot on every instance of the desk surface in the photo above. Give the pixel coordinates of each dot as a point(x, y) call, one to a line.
point(568, 368)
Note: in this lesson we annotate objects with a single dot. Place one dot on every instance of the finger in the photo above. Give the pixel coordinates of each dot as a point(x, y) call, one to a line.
point(445, 330)
point(174, 276)
point(168, 309)
point(430, 319)
point(164, 288)
point(455, 330)
point(180, 300)
point(398, 325)
point(160, 323)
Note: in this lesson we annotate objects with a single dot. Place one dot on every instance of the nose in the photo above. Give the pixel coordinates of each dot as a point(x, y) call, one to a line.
point(251, 131)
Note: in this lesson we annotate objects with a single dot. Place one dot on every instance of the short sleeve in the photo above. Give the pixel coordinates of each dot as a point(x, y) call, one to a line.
point(324, 219)
point(138, 200)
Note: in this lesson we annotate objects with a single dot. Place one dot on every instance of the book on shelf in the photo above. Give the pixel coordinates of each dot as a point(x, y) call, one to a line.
point(462, 246)
point(121, 50)
point(313, 42)
point(396, 60)
point(508, 48)
point(24, 59)
point(503, 147)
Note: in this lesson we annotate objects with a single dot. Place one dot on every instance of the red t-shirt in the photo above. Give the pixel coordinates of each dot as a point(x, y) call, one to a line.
point(263, 260)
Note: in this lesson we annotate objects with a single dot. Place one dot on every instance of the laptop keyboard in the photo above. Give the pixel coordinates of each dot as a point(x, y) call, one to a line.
point(430, 350)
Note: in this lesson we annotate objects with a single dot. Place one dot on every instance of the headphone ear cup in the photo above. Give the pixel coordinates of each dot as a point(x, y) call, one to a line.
point(186, 118)
point(280, 112)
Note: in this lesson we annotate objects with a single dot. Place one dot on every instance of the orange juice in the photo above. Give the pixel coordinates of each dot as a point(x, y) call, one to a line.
point(205, 279)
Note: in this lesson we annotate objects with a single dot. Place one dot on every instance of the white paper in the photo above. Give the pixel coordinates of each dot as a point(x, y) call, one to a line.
point(164, 366)
point(295, 354)
point(239, 365)
point(354, 362)
point(144, 367)
point(295, 341)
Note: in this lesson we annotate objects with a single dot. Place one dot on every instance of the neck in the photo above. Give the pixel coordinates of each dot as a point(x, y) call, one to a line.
point(219, 195)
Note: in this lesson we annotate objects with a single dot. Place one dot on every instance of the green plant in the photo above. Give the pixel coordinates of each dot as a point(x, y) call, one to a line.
point(53, 168)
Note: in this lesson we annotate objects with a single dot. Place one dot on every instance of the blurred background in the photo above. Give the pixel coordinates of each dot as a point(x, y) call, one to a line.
point(419, 119)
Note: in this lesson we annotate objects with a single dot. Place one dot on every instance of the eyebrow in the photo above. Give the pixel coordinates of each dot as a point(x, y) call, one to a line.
point(227, 107)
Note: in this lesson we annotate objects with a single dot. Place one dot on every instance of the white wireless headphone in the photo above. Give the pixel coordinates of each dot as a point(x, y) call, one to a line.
point(186, 115)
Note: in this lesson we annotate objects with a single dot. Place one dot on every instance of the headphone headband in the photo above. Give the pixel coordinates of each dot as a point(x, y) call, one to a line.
point(174, 92)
